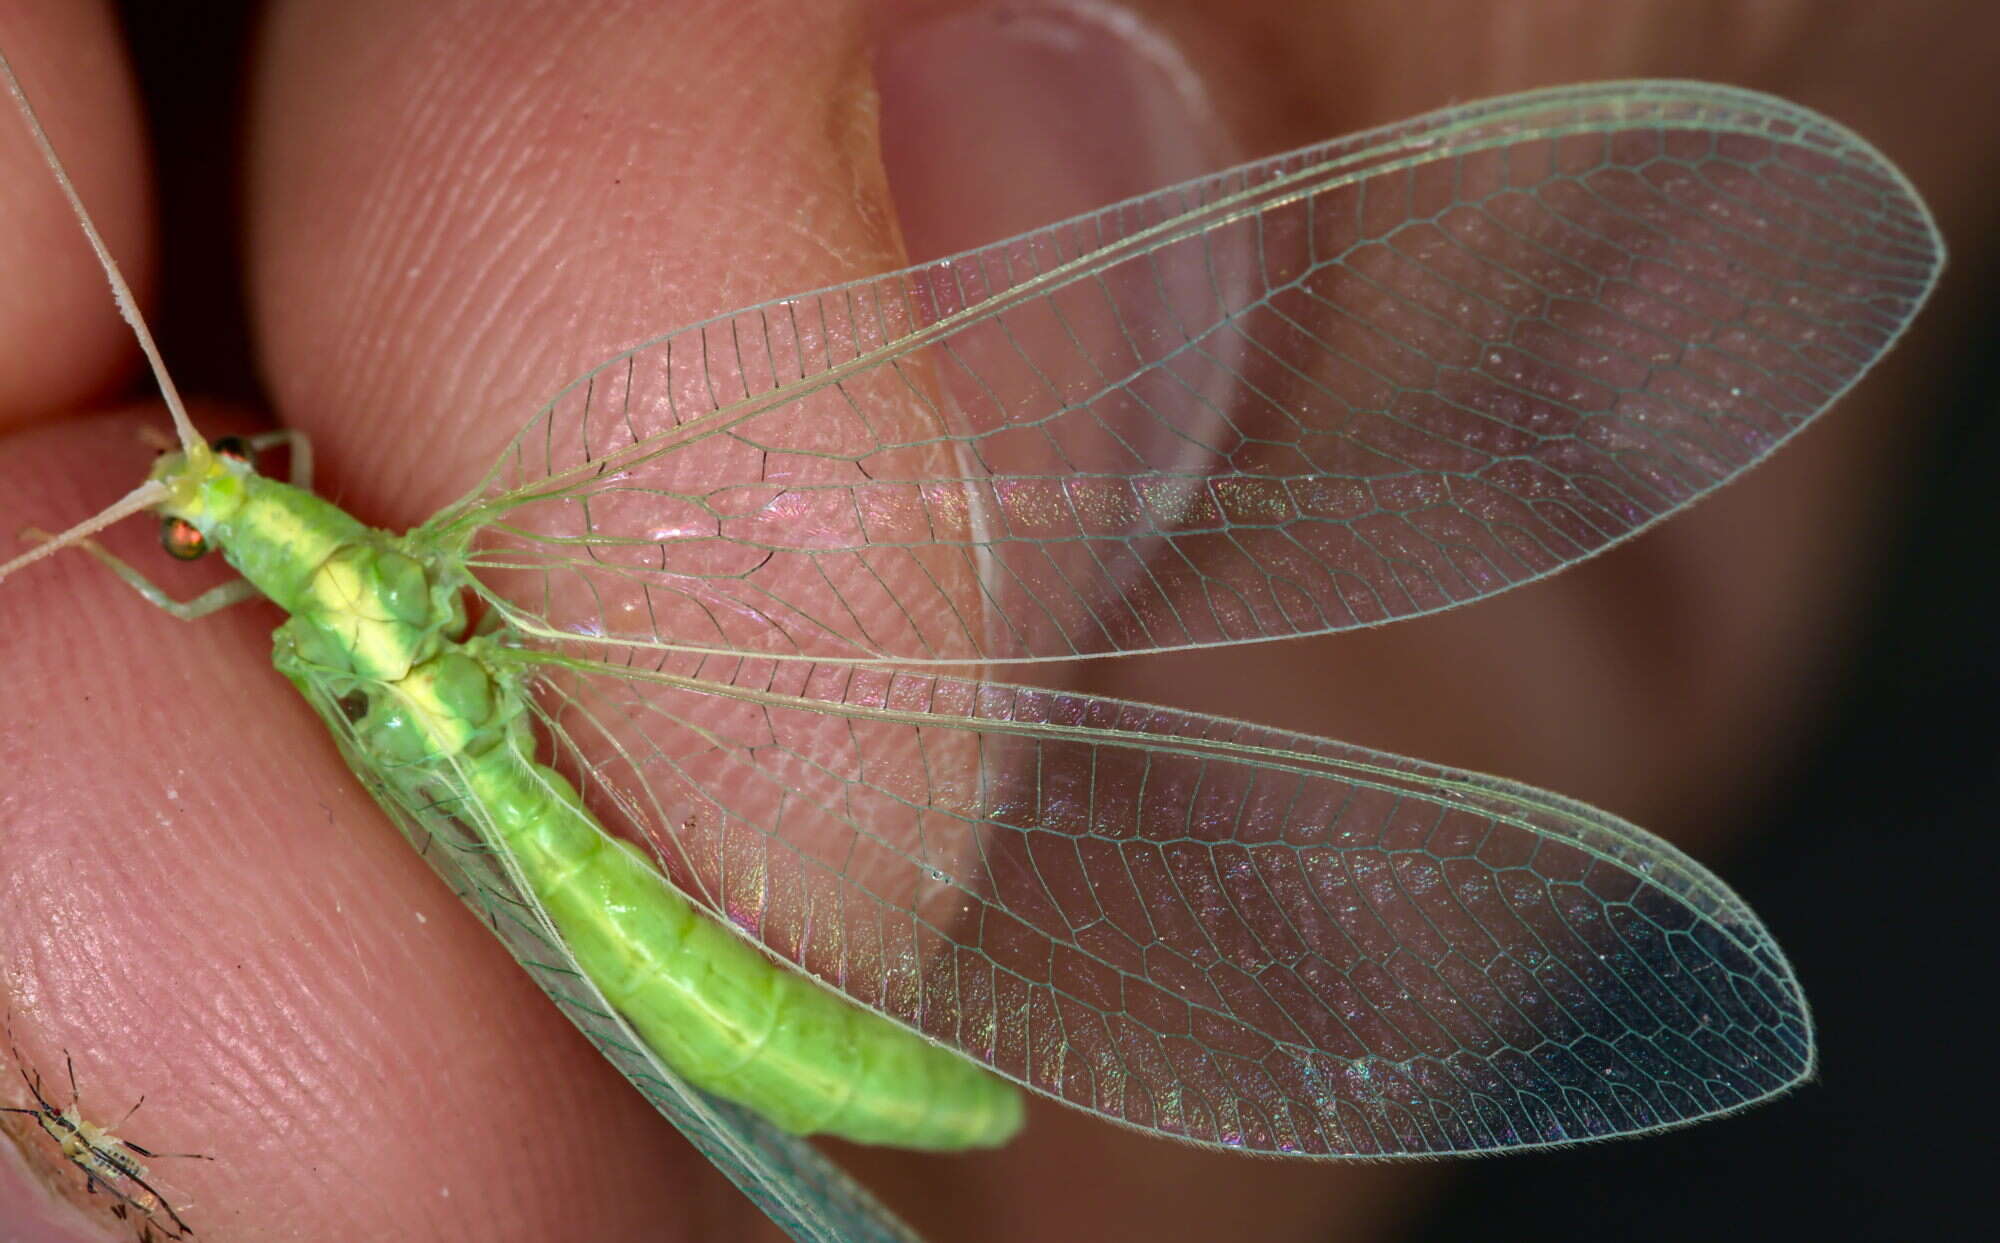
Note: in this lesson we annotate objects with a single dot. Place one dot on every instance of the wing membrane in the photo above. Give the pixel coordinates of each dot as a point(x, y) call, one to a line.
point(1364, 381)
point(1195, 926)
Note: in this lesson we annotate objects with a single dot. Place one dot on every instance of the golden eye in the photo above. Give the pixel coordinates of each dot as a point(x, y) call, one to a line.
point(180, 538)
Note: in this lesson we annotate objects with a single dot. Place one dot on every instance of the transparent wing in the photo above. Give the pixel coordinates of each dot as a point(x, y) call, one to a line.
point(1364, 381)
point(807, 1195)
point(1224, 933)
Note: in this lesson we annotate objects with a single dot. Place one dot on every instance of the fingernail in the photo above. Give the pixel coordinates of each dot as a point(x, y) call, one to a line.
point(999, 121)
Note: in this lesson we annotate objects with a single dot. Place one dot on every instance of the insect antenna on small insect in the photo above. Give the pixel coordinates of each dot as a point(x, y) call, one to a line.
point(110, 1164)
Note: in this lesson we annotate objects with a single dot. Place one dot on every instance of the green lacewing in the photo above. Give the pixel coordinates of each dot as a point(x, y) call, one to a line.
point(753, 633)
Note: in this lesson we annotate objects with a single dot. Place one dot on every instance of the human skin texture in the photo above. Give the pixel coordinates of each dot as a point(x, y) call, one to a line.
point(453, 209)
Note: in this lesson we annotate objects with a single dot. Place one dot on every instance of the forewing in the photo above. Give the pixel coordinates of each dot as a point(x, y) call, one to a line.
point(807, 1195)
point(1220, 932)
point(1368, 380)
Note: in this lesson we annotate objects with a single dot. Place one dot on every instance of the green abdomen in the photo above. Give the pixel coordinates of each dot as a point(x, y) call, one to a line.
point(374, 623)
point(717, 1010)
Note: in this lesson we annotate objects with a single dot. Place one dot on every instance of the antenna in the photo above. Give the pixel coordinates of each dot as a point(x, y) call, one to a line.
point(152, 492)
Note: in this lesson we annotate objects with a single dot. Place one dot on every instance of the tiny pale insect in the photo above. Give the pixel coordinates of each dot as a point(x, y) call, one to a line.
point(1370, 380)
point(110, 1165)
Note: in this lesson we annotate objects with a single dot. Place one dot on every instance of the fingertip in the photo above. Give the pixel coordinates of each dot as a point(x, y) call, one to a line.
point(453, 217)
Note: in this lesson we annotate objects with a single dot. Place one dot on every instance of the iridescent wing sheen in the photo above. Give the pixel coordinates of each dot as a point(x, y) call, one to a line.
point(806, 1194)
point(1364, 381)
point(1224, 933)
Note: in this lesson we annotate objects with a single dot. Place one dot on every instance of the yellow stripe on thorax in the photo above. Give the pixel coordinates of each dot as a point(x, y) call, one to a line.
point(380, 644)
point(450, 701)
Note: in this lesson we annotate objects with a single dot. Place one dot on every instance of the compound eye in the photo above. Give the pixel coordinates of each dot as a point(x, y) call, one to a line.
point(234, 448)
point(181, 540)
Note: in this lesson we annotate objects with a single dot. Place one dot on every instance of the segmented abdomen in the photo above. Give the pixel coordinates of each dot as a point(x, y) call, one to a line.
point(449, 734)
point(717, 1010)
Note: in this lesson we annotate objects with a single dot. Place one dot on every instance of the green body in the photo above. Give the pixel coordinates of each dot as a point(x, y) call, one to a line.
point(440, 722)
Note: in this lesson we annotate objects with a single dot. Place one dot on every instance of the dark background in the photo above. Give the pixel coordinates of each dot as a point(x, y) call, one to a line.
point(1873, 862)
